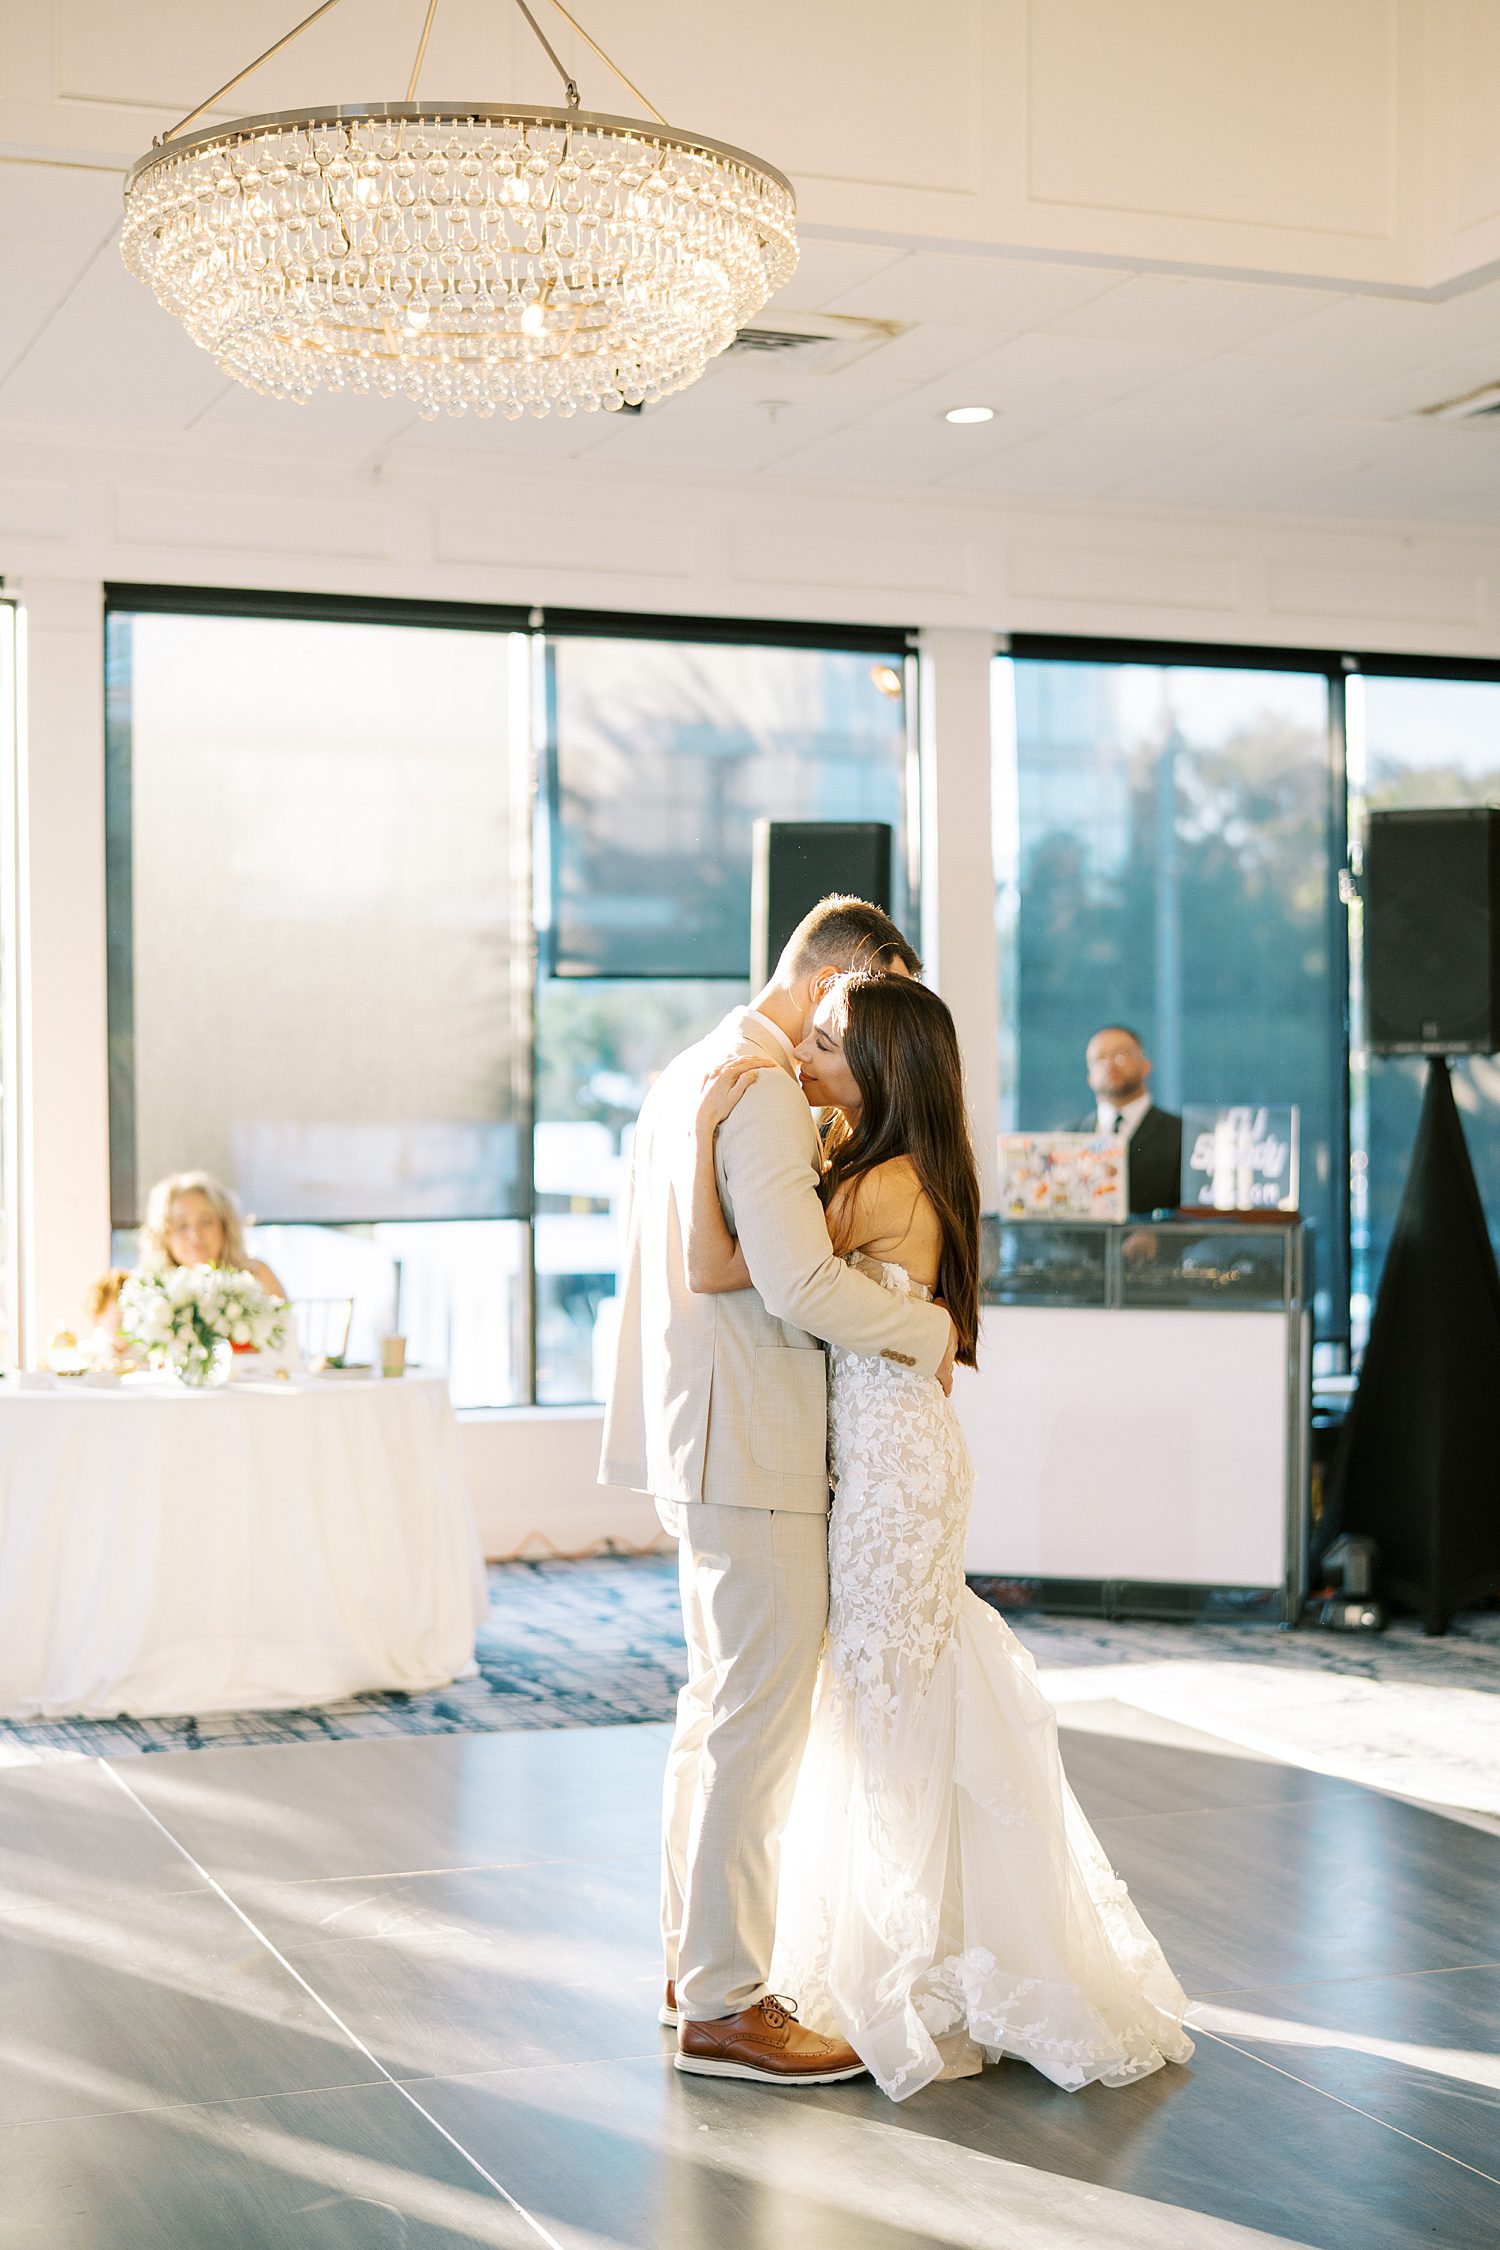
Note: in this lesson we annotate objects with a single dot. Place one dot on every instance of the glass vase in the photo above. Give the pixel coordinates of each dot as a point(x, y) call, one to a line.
point(202, 1373)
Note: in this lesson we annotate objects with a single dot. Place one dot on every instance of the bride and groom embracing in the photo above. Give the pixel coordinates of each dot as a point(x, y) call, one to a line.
point(865, 1806)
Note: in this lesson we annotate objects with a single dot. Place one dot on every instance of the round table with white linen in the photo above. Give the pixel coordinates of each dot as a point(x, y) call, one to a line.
point(257, 1547)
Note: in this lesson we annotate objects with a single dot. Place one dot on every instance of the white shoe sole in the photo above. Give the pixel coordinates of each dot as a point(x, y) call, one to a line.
point(668, 2016)
point(704, 2067)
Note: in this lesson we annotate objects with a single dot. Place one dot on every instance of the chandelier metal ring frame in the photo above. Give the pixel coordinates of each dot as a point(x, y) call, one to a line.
point(464, 256)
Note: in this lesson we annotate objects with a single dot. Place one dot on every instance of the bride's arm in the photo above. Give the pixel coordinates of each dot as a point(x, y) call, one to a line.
point(715, 1261)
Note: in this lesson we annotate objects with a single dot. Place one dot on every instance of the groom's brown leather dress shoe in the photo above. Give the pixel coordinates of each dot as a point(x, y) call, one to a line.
point(765, 2042)
point(667, 2012)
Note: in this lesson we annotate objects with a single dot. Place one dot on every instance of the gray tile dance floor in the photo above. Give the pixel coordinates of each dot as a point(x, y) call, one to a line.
point(402, 1993)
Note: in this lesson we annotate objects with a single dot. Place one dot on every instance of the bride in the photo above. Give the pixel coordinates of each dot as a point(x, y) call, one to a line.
point(943, 1901)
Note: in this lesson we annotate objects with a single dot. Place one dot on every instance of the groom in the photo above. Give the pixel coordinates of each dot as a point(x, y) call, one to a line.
point(718, 1408)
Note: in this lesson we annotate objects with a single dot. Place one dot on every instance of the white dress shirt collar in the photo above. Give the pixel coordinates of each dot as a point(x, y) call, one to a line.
point(774, 1031)
point(1132, 1113)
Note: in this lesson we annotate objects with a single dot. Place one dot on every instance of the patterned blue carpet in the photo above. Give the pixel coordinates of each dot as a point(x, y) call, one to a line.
point(566, 1644)
point(599, 1643)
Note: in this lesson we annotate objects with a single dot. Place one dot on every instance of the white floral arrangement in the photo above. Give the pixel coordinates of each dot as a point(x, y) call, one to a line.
point(189, 1318)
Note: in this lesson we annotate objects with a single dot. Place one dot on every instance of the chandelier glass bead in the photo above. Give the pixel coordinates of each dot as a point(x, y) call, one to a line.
point(519, 261)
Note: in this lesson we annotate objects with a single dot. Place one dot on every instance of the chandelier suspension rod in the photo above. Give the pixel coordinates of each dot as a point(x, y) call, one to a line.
point(416, 68)
point(607, 60)
point(570, 84)
point(230, 83)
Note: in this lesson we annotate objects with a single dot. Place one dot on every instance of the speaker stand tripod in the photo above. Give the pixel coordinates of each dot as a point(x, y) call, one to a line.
point(1419, 1469)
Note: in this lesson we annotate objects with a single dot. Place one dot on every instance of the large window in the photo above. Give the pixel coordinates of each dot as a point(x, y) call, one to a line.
point(407, 904)
point(663, 754)
point(1167, 841)
point(406, 909)
point(1417, 742)
point(659, 757)
point(319, 955)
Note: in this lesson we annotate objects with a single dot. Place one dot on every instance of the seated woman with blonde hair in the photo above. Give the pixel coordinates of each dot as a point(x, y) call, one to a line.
point(192, 1219)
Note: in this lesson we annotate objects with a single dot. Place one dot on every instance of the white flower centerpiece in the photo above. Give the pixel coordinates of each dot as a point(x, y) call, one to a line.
point(189, 1319)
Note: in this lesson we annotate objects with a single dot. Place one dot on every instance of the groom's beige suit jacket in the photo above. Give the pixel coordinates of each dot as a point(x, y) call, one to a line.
point(724, 1398)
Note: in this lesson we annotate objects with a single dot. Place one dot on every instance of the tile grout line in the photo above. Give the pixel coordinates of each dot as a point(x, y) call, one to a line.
point(345, 2086)
point(167, 2109)
point(1312, 1984)
point(476, 1867)
point(1354, 2108)
point(316, 1997)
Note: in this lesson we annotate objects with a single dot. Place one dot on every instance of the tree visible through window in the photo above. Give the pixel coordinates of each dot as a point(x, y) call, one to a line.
point(1165, 860)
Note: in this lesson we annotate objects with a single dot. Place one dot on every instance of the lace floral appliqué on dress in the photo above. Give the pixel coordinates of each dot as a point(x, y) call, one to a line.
point(943, 1900)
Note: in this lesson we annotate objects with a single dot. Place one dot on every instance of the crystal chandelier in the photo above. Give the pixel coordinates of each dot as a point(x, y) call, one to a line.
point(461, 255)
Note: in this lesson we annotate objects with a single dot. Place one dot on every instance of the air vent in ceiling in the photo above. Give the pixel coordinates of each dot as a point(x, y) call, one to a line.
point(1473, 406)
point(824, 343)
point(774, 340)
point(815, 343)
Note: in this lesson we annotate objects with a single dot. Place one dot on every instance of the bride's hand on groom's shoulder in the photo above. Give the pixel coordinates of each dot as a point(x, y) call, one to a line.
point(724, 1087)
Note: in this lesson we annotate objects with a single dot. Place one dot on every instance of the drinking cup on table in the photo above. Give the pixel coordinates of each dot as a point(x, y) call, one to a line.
point(393, 1355)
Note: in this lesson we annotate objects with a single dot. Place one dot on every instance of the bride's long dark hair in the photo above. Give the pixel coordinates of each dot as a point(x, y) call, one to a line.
point(901, 1046)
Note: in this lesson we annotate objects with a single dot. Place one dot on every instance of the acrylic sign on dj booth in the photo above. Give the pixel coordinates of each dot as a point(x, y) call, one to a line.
point(1241, 1158)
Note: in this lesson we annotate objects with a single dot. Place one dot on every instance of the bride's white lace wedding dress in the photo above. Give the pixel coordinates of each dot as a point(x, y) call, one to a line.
point(943, 1900)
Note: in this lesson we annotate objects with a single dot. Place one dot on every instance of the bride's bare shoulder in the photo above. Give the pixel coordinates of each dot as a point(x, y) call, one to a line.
point(880, 1208)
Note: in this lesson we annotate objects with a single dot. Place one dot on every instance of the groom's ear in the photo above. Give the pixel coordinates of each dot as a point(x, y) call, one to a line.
point(818, 984)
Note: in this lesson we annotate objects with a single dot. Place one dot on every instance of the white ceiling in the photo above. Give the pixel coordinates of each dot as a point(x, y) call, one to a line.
point(1109, 382)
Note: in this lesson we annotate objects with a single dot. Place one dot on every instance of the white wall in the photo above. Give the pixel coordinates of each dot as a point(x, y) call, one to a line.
point(961, 570)
point(535, 1486)
point(483, 531)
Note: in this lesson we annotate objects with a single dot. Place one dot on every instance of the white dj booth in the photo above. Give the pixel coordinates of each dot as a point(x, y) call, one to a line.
point(1139, 1418)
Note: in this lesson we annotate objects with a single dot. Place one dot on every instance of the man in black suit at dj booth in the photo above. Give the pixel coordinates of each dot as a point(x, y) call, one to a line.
point(1118, 1071)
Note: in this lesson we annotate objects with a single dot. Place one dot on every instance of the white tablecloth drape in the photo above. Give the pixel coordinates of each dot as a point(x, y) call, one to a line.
point(253, 1548)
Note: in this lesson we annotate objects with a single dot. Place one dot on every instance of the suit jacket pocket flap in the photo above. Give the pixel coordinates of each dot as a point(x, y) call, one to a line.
point(789, 1417)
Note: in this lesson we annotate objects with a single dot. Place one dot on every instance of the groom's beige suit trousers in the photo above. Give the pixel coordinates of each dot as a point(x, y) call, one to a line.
point(718, 1408)
point(754, 1605)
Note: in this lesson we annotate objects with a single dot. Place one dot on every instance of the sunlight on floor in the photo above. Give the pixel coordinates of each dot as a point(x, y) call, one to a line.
point(884, 2174)
point(1464, 2064)
point(1437, 1745)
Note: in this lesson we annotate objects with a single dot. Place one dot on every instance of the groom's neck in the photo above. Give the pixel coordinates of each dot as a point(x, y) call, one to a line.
point(779, 1005)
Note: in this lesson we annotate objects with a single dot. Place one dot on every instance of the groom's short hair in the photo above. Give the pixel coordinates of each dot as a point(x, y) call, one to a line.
point(845, 933)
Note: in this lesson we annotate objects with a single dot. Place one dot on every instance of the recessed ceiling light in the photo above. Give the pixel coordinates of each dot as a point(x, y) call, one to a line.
point(970, 414)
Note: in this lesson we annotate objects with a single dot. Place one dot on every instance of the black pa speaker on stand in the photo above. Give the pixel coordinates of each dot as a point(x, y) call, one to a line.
point(1419, 1470)
point(797, 862)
